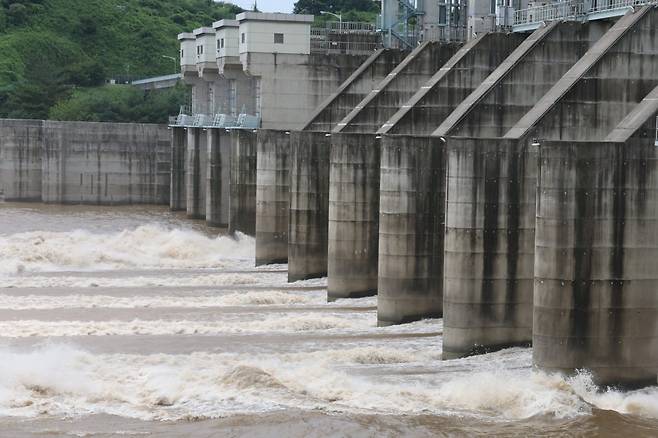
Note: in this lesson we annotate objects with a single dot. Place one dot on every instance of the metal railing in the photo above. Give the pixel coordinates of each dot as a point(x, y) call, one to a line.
point(352, 38)
point(345, 47)
point(551, 12)
point(243, 121)
point(574, 9)
point(656, 130)
point(445, 33)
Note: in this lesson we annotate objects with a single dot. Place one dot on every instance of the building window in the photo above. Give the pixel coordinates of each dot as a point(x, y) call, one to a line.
point(493, 7)
point(182, 53)
point(278, 38)
point(442, 14)
point(199, 50)
point(222, 43)
point(243, 38)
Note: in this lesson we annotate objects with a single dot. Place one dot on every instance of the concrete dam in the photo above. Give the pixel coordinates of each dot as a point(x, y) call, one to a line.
point(505, 184)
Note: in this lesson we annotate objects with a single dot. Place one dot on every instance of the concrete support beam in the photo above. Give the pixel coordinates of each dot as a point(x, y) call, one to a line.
point(596, 265)
point(353, 215)
point(178, 195)
point(21, 143)
point(522, 79)
point(309, 205)
point(218, 172)
point(195, 175)
point(602, 87)
point(353, 90)
point(411, 229)
point(242, 205)
point(489, 245)
point(449, 86)
point(398, 86)
point(272, 196)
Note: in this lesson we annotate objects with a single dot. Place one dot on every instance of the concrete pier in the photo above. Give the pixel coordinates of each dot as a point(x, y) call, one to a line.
point(596, 266)
point(219, 177)
point(353, 215)
point(21, 143)
point(195, 176)
point(178, 195)
point(309, 205)
point(242, 205)
point(272, 196)
point(489, 245)
point(411, 229)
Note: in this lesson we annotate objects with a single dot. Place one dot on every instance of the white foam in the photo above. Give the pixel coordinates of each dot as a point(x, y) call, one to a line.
point(259, 298)
point(147, 246)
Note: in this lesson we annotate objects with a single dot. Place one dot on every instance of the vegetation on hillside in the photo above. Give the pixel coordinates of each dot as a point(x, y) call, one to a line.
point(350, 10)
point(57, 52)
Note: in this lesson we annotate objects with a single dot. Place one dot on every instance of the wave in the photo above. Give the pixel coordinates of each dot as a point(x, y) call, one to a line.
point(147, 246)
point(64, 380)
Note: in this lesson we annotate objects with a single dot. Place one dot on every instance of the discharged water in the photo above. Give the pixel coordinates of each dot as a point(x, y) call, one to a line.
point(135, 321)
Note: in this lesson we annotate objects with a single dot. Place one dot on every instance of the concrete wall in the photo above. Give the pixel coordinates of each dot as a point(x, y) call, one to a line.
point(242, 203)
point(389, 95)
point(411, 229)
point(105, 163)
point(353, 215)
point(596, 268)
point(523, 79)
point(309, 205)
point(272, 196)
point(218, 177)
point(195, 175)
point(352, 91)
point(21, 149)
point(457, 78)
point(489, 245)
point(178, 193)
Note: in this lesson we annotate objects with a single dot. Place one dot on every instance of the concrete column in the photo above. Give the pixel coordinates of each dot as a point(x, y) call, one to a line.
point(178, 195)
point(411, 227)
point(218, 186)
point(272, 196)
point(196, 173)
point(242, 204)
point(353, 215)
point(489, 246)
point(21, 146)
point(596, 266)
point(309, 205)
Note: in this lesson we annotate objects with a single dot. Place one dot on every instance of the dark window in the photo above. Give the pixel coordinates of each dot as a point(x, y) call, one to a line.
point(278, 38)
point(222, 41)
point(182, 53)
point(493, 6)
point(442, 14)
point(243, 38)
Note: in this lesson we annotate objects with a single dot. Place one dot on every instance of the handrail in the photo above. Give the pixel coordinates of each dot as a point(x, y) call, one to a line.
point(573, 9)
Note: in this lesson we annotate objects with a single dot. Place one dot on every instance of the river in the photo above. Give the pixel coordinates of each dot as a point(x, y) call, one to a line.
point(134, 321)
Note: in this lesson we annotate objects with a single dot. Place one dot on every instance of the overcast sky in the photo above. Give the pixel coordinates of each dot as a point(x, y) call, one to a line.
point(266, 5)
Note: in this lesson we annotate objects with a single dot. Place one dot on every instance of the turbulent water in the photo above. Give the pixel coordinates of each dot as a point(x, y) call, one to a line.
point(134, 321)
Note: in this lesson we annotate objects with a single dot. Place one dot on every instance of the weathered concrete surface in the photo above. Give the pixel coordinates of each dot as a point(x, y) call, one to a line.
point(451, 84)
point(353, 215)
point(21, 143)
point(596, 265)
point(106, 163)
point(292, 86)
point(411, 229)
point(602, 87)
point(353, 90)
point(398, 86)
point(242, 204)
point(489, 245)
point(522, 79)
point(178, 194)
point(272, 196)
point(309, 205)
point(195, 175)
point(640, 122)
point(219, 177)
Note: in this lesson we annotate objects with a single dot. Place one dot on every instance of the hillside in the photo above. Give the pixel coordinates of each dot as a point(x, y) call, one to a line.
point(51, 48)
